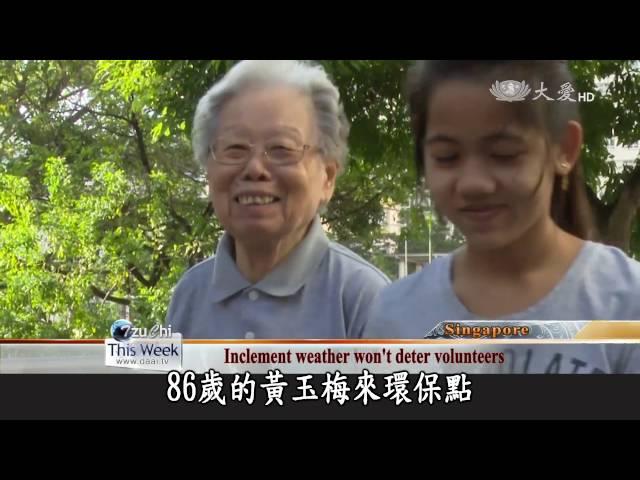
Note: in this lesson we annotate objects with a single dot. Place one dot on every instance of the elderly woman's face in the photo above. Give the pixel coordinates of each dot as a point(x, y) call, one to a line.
point(260, 198)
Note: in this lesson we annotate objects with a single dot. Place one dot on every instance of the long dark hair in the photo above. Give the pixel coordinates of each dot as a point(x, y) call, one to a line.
point(570, 208)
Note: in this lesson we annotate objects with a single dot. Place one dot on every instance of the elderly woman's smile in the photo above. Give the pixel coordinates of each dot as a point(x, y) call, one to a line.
point(255, 205)
point(256, 199)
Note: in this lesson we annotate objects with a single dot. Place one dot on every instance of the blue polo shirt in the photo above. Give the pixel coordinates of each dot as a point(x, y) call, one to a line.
point(321, 290)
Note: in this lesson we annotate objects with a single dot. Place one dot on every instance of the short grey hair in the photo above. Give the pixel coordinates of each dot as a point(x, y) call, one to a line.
point(309, 78)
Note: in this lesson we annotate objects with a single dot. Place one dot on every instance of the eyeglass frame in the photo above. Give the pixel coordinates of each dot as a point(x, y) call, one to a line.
point(265, 154)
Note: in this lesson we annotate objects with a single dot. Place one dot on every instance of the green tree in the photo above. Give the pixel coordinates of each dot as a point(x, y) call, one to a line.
point(614, 195)
point(95, 196)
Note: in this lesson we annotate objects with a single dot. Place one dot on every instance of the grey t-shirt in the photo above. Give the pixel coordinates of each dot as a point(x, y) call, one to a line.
point(321, 290)
point(602, 284)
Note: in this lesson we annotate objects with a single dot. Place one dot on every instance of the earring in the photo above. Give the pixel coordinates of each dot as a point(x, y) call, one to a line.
point(565, 178)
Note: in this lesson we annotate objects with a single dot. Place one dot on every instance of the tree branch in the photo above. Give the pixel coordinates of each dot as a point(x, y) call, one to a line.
point(600, 209)
point(138, 275)
point(114, 132)
point(79, 113)
point(141, 145)
point(624, 211)
point(208, 211)
point(72, 92)
point(160, 265)
point(594, 201)
point(110, 115)
point(634, 180)
point(180, 219)
point(105, 296)
point(630, 191)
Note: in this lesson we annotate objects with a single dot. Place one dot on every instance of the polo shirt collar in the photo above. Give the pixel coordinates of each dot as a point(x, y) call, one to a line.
point(286, 279)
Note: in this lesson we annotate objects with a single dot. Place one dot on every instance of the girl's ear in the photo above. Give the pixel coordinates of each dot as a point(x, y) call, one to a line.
point(569, 148)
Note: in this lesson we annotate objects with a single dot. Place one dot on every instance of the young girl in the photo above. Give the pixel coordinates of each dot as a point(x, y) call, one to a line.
point(502, 165)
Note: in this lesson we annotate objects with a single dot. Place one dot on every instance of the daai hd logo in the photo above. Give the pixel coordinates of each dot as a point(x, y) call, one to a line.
point(155, 348)
point(515, 91)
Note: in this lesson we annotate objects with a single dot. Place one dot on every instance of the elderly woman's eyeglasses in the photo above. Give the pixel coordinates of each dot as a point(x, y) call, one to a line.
point(236, 153)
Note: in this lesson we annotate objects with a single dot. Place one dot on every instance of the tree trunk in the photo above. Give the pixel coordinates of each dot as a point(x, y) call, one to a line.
point(616, 227)
point(618, 232)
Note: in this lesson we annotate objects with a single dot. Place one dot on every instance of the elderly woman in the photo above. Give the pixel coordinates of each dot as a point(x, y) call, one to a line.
point(273, 138)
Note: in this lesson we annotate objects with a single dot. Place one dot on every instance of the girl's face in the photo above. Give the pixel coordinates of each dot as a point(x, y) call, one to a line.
point(488, 174)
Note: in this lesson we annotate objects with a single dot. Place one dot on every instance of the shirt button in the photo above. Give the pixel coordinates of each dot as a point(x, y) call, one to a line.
point(253, 295)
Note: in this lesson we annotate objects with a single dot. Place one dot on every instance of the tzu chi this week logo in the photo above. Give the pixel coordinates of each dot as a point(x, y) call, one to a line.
point(515, 91)
point(155, 348)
